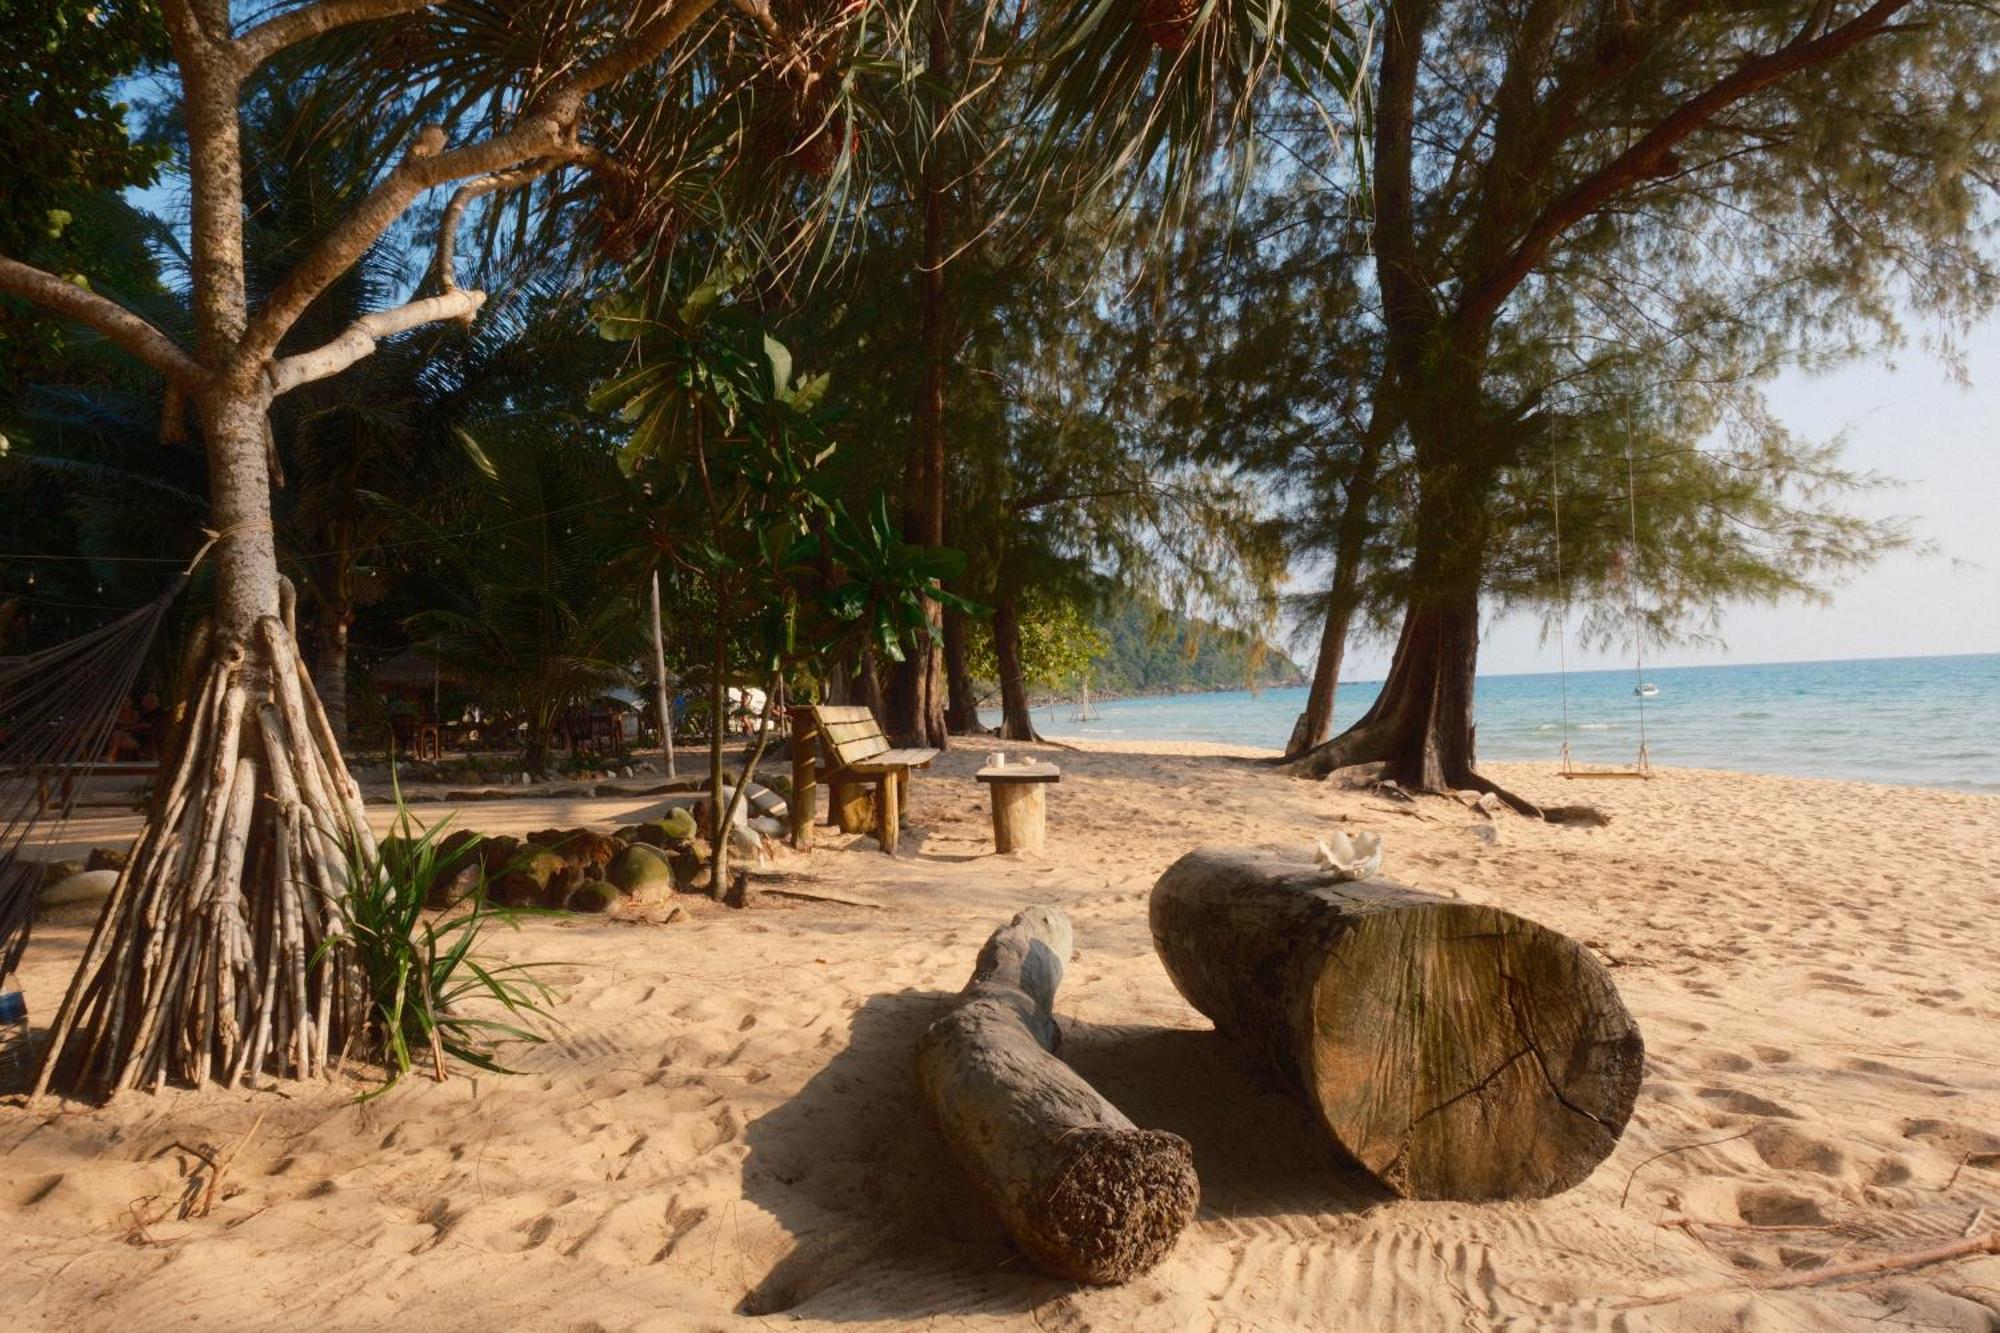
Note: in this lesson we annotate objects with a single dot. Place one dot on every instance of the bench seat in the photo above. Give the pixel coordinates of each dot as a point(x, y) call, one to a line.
point(854, 753)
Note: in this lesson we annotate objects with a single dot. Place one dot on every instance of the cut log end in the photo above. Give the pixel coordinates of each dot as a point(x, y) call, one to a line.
point(1498, 1062)
point(1455, 1050)
point(1085, 1193)
point(1122, 1200)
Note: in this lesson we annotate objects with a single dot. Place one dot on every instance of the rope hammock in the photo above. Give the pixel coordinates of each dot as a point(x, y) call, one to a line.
point(58, 708)
point(1642, 768)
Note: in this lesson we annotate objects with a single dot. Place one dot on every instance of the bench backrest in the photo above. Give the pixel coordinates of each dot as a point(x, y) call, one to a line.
point(848, 734)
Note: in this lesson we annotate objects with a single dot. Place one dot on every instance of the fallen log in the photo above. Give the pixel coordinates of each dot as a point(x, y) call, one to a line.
point(1456, 1051)
point(1084, 1193)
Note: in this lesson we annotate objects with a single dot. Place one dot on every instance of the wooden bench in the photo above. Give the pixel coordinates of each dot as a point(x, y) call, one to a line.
point(854, 757)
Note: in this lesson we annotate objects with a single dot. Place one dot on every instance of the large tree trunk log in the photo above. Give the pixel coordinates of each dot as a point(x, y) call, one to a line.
point(1456, 1051)
point(1083, 1192)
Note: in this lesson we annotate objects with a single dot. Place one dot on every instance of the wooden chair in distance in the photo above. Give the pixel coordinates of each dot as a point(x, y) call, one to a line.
point(855, 757)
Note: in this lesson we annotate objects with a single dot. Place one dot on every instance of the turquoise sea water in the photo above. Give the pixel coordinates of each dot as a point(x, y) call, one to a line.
point(1927, 721)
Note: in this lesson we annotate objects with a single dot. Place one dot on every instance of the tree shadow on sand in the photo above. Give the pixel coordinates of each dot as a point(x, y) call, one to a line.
point(888, 1226)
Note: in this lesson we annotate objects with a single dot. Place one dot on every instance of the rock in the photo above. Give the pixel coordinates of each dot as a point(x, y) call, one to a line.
point(769, 826)
point(593, 895)
point(746, 841)
point(55, 872)
point(690, 864)
point(677, 827)
point(86, 886)
point(642, 871)
point(516, 889)
point(497, 853)
point(108, 858)
point(462, 870)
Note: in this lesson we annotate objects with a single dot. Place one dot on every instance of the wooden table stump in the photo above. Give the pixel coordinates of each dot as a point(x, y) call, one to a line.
point(1020, 804)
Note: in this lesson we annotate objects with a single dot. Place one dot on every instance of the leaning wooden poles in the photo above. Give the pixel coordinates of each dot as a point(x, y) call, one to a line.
point(206, 963)
point(1457, 1051)
point(1085, 1193)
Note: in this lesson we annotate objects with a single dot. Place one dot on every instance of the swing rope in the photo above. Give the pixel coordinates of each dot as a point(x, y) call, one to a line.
point(1644, 767)
point(1632, 600)
point(1562, 638)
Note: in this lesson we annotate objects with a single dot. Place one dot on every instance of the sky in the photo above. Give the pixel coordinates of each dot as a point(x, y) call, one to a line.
point(1938, 436)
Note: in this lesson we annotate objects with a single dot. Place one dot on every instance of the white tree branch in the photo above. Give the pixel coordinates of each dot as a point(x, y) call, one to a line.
point(544, 129)
point(260, 43)
point(114, 321)
point(360, 337)
point(445, 261)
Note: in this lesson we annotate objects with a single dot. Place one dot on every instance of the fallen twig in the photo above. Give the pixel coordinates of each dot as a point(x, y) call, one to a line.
point(810, 896)
point(1669, 1152)
point(1888, 1263)
point(216, 1172)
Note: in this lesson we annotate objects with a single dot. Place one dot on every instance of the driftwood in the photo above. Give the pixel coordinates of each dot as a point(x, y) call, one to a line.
point(1908, 1261)
point(1084, 1193)
point(1456, 1051)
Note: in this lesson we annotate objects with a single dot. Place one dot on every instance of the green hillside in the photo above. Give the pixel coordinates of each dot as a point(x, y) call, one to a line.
point(1182, 655)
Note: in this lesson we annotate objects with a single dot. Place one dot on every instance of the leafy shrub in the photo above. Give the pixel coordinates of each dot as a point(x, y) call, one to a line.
point(420, 973)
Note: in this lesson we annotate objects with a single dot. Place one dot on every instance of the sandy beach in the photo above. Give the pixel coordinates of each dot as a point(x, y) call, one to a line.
point(725, 1133)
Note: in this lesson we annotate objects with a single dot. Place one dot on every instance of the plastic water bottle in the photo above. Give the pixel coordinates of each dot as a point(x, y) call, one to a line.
point(17, 1059)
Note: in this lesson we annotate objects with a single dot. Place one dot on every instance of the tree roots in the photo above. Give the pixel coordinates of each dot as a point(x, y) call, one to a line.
point(208, 962)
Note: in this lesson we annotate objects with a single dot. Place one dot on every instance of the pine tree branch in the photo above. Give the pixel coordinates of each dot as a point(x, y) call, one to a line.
point(544, 129)
point(268, 38)
point(360, 337)
point(106, 316)
point(1652, 152)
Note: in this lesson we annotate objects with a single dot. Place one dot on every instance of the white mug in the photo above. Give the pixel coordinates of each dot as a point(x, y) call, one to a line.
point(996, 760)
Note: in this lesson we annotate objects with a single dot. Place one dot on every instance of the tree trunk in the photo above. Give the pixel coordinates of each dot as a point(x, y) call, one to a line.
point(1086, 1194)
point(1455, 1050)
point(1315, 725)
point(717, 831)
point(1421, 726)
point(1343, 596)
point(916, 714)
point(1017, 721)
point(207, 961)
point(331, 676)
point(961, 716)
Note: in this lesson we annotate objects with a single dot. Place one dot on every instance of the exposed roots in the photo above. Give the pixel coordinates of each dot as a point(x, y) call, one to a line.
point(1376, 743)
point(207, 962)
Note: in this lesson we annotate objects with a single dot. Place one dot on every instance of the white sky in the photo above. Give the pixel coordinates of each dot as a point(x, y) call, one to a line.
point(1914, 423)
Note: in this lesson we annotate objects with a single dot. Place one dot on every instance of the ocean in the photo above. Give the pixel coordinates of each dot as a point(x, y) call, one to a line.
point(1922, 721)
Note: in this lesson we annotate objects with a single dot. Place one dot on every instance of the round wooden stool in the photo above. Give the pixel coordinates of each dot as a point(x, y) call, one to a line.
point(1020, 804)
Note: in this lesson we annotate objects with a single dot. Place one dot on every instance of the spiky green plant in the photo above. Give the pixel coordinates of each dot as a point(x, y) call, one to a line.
point(421, 973)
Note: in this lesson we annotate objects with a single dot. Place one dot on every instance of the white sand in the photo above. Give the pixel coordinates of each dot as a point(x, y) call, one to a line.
point(728, 1135)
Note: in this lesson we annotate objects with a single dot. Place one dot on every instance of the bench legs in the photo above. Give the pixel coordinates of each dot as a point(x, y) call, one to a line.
point(850, 805)
point(889, 811)
point(868, 805)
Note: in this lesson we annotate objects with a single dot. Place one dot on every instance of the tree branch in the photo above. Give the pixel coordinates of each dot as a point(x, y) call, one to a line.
point(106, 316)
point(360, 337)
point(443, 263)
point(268, 38)
point(544, 129)
point(1645, 157)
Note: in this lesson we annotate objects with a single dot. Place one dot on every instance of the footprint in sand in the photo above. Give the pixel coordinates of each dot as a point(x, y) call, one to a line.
point(1772, 1206)
point(1787, 1149)
point(1737, 1102)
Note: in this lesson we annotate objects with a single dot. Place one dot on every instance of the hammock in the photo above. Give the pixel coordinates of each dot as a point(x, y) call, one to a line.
point(57, 711)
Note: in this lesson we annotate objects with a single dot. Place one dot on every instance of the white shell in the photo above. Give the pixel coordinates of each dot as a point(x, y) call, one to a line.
point(1345, 858)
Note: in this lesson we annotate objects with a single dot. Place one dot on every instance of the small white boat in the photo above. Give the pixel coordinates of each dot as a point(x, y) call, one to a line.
point(1646, 690)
